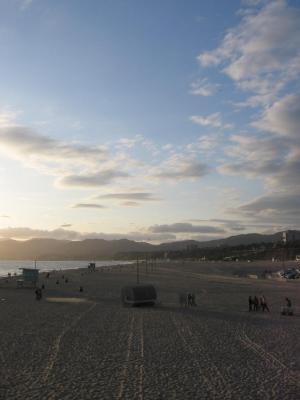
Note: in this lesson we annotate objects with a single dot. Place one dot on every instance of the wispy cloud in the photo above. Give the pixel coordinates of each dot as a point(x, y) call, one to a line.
point(25, 4)
point(182, 227)
point(261, 54)
point(128, 143)
point(184, 169)
point(7, 117)
point(138, 196)
point(130, 204)
point(281, 207)
point(26, 145)
point(283, 117)
point(213, 120)
point(205, 144)
point(87, 205)
point(203, 88)
point(92, 180)
point(226, 224)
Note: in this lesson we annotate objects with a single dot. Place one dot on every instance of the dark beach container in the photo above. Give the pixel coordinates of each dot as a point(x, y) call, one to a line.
point(139, 295)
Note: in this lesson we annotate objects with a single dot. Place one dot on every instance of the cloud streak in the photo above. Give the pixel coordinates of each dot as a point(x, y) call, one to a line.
point(92, 180)
point(182, 227)
point(88, 205)
point(213, 120)
point(138, 196)
point(24, 143)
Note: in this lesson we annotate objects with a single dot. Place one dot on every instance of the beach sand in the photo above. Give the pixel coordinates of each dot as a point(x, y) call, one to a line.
point(94, 348)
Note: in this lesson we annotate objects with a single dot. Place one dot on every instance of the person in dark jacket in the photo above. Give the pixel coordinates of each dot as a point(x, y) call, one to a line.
point(288, 302)
point(251, 303)
point(38, 294)
point(264, 304)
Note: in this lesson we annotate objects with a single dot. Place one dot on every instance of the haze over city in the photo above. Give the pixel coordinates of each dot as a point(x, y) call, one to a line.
point(155, 121)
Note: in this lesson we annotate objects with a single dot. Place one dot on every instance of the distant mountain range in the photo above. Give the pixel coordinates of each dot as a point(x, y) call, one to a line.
point(97, 249)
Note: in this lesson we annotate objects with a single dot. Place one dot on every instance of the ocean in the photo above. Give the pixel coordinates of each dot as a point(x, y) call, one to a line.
point(12, 266)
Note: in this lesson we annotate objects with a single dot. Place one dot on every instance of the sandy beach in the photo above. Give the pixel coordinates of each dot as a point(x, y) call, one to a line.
point(73, 345)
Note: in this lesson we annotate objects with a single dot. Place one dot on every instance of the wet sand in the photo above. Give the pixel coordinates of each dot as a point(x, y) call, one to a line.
point(62, 348)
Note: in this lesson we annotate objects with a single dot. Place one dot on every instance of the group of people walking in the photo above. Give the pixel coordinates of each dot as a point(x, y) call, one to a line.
point(257, 304)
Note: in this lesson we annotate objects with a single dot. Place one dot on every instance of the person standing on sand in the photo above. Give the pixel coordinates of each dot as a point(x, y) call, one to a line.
point(38, 294)
point(193, 299)
point(255, 304)
point(288, 302)
point(251, 303)
point(264, 304)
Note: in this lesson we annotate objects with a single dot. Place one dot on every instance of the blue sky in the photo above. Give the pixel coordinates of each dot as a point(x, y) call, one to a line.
point(157, 121)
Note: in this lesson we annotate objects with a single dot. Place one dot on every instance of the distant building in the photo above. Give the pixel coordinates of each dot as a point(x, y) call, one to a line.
point(290, 236)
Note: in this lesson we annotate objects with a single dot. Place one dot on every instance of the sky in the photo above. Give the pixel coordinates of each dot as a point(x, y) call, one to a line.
point(153, 120)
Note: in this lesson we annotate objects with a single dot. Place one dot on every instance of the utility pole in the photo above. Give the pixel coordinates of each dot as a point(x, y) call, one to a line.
point(137, 271)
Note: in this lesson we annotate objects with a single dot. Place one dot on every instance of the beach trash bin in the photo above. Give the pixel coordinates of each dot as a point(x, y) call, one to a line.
point(135, 295)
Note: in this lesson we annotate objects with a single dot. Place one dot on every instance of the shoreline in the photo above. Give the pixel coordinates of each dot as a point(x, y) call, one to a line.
point(6, 269)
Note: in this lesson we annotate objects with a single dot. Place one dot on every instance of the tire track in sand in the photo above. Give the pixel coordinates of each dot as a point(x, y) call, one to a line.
point(124, 373)
point(221, 383)
point(266, 356)
point(133, 369)
point(57, 343)
point(141, 366)
point(184, 333)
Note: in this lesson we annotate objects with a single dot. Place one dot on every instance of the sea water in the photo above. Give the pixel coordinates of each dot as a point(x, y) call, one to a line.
point(13, 266)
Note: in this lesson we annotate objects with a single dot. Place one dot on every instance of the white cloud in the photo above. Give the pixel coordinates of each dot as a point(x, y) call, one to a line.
point(275, 160)
point(284, 208)
point(203, 88)
point(204, 144)
point(262, 54)
point(183, 170)
point(26, 145)
point(214, 120)
point(283, 117)
point(262, 57)
point(73, 164)
point(128, 143)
